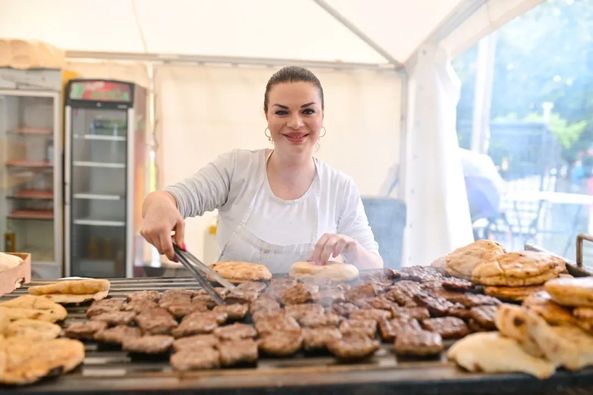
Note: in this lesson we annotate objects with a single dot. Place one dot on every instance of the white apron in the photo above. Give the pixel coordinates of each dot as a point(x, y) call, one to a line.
point(243, 245)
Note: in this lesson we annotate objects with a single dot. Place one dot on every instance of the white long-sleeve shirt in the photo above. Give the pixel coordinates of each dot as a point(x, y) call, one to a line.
point(230, 184)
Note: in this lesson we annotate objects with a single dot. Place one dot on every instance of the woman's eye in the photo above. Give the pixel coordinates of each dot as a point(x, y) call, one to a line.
point(281, 112)
point(308, 111)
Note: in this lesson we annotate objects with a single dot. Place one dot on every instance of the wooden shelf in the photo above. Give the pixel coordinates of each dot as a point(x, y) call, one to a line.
point(29, 163)
point(32, 131)
point(42, 194)
point(32, 214)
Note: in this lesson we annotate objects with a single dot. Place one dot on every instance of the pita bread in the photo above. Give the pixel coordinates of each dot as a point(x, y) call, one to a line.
point(571, 291)
point(512, 294)
point(33, 329)
point(564, 345)
point(9, 261)
point(24, 363)
point(552, 312)
point(491, 352)
point(4, 321)
point(34, 307)
point(519, 269)
point(72, 287)
point(75, 299)
point(511, 321)
point(334, 271)
point(236, 271)
point(462, 261)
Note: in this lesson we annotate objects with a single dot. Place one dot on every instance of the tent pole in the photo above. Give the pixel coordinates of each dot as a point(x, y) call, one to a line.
point(359, 33)
point(222, 60)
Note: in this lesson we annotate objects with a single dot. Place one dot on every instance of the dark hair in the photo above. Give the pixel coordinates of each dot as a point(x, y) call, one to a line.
point(292, 74)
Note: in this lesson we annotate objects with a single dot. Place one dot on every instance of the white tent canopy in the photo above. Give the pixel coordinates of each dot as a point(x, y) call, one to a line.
point(347, 31)
point(392, 52)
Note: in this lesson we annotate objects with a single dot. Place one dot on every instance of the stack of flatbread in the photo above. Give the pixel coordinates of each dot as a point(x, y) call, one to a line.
point(553, 328)
point(73, 291)
point(574, 296)
point(29, 347)
point(506, 275)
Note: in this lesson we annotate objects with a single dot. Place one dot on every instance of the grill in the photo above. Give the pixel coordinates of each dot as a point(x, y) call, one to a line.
point(110, 370)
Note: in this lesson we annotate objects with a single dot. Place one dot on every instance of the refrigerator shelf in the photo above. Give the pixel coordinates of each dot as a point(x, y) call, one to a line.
point(99, 164)
point(41, 164)
point(32, 214)
point(25, 130)
point(97, 222)
point(41, 194)
point(96, 196)
point(99, 137)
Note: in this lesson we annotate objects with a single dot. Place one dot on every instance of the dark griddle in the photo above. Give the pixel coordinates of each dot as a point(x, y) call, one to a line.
point(109, 370)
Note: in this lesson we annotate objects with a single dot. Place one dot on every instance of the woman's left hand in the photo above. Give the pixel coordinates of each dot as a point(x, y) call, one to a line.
point(332, 244)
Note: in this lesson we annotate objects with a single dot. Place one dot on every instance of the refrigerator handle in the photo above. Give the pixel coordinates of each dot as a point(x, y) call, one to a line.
point(66, 189)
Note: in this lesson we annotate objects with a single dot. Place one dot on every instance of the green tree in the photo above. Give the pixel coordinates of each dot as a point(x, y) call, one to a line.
point(545, 55)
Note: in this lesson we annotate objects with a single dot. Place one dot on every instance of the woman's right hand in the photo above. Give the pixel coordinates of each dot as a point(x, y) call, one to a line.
point(159, 217)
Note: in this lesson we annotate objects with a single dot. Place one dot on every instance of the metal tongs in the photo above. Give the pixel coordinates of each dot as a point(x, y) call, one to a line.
point(201, 272)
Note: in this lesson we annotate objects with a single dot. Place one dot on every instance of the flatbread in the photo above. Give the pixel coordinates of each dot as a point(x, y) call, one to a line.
point(334, 271)
point(554, 314)
point(518, 269)
point(72, 287)
point(512, 321)
point(512, 294)
point(564, 345)
point(32, 329)
point(571, 291)
point(72, 299)
point(490, 352)
point(462, 261)
point(236, 271)
point(27, 361)
point(34, 307)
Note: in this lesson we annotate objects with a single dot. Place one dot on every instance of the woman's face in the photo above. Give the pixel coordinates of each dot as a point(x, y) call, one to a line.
point(294, 117)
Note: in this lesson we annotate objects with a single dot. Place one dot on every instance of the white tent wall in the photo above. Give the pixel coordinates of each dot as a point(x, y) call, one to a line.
point(205, 111)
point(438, 211)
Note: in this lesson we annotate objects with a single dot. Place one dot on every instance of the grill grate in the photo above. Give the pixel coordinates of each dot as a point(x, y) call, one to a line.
point(108, 369)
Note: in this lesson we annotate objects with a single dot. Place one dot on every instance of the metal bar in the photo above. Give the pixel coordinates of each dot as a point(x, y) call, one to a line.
point(360, 34)
point(226, 60)
point(580, 238)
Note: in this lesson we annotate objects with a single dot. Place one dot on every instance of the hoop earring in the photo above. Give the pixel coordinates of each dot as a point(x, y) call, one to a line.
point(324, 132)
point(269, 136)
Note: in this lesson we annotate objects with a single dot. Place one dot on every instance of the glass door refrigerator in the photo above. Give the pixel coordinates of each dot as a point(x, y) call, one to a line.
point(31, 167)
point(105, 179)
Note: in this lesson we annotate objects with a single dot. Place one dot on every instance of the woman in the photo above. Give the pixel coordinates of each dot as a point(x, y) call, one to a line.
point(276, 206)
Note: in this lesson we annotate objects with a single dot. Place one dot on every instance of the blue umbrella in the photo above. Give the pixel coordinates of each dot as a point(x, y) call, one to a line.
point(483, 183)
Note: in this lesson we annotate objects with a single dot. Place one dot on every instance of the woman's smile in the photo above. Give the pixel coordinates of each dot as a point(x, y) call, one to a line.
point(296, 137)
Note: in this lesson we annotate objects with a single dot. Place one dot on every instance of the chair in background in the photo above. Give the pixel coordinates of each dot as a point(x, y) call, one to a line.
point(387, 218)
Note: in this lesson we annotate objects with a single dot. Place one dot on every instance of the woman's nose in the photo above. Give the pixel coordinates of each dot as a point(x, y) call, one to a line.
point(295, 121)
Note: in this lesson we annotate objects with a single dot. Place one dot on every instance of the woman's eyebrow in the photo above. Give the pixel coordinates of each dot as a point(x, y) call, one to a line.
point(308, 104)
point(281, 106)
